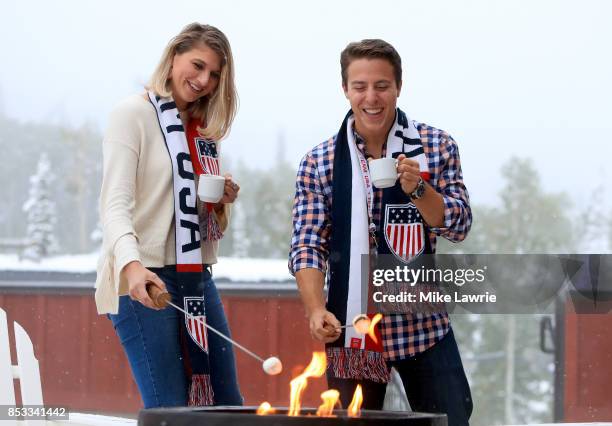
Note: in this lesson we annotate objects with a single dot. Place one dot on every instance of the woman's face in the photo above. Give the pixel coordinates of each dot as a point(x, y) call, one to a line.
point(194, 74)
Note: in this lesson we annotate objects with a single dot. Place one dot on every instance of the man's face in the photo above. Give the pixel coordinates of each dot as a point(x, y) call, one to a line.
point(372, 93)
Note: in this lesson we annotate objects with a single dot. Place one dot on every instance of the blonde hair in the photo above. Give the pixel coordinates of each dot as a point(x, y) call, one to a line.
point(216, 110)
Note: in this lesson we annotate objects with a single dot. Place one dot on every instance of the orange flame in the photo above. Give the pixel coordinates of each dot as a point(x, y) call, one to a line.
point(375, 320)
point(354, 408)
point(264, 409)
point(330, 398)
point(316, 368)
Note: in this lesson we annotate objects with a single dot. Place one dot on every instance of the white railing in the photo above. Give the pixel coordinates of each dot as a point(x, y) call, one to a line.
point(28, 373)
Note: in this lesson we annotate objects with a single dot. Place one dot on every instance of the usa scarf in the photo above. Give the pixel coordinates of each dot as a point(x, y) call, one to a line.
point(354, 356)
point(188, 244)
point(205, 161)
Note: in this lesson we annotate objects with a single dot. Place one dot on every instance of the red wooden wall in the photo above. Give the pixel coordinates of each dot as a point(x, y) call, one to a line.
point(587, 367)
point(83, 365)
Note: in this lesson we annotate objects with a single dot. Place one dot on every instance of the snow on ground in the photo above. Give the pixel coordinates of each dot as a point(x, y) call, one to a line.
point(230, 268)
point(247, 270)
point(82, 263)
point(82, 419)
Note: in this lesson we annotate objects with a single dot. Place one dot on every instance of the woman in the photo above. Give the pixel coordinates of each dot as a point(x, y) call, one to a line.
point(156, 231)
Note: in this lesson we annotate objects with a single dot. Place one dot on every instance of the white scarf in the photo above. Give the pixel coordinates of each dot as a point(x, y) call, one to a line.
point(361, 186)
point(188, 240)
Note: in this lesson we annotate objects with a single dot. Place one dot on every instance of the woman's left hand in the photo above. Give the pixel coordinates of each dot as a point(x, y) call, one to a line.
point(230, 192)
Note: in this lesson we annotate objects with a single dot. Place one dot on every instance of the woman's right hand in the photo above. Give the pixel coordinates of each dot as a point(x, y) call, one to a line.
point(138, 277)
point(324, 326)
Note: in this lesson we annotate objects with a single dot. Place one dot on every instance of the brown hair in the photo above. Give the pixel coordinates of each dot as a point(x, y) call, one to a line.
point(371, 49)
point(217, 109)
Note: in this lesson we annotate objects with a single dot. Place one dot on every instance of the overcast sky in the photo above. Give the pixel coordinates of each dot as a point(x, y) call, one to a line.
point(524, 77)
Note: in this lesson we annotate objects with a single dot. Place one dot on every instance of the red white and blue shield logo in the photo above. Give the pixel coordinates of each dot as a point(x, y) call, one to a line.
point(207, 155)
point(404, 231)
point(194, 306)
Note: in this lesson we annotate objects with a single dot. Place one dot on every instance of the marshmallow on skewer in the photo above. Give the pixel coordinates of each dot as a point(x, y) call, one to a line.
point(272, 366)
point(361, 323)
point(161, 299)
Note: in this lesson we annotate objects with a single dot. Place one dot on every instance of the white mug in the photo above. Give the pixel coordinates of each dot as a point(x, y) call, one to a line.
point(210, 188)
point(383, 172)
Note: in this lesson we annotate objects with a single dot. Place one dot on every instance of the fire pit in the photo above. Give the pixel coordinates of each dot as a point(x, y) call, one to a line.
point(326, 415)
point(245, 416)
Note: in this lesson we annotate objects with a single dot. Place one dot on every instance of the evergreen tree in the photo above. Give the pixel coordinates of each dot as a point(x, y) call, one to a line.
point(82, 170)
point(260, 225)
point(76, 154)
point(40, 212)
point(239, 225)
point(594, 222)
point(269, 214)
point(511, 379)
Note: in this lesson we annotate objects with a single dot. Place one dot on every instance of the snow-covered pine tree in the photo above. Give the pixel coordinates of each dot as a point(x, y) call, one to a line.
point(40, 213)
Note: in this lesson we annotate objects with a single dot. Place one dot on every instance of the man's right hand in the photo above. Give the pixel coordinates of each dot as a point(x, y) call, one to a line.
point(138, 277)
point(324, 326)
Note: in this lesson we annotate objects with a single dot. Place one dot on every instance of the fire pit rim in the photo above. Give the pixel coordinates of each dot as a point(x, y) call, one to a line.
point(308, 412)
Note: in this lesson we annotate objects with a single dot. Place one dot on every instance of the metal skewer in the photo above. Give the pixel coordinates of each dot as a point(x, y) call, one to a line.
point(214, 330)
point(161, 299)
point(356, 320)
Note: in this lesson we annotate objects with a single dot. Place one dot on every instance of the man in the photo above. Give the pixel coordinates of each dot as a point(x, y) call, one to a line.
point(339, 216)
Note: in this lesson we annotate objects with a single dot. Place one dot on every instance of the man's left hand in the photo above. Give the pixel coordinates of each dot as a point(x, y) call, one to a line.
point(409, 173)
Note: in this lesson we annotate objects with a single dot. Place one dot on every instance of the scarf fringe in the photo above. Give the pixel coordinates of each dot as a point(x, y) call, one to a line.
point(349, 363)
point(213, 230)
point(200, 391)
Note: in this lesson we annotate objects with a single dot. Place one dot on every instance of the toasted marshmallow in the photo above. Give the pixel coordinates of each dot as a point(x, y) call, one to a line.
point(361, 323)
point(272, 366)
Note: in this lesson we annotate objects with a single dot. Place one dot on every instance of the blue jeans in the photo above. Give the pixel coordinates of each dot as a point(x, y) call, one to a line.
point(434, 382)
point(151, 340)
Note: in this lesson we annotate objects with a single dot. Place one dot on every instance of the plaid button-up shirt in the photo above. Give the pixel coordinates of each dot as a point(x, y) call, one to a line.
point(404, 335)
